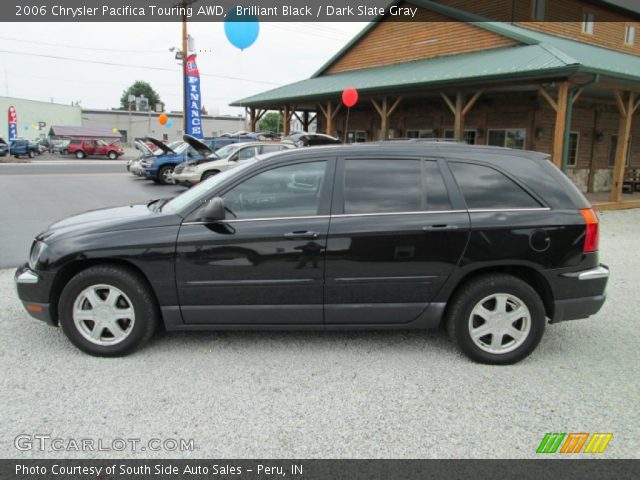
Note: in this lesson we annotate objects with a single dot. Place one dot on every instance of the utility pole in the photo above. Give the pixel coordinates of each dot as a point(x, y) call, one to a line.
point(185, 47)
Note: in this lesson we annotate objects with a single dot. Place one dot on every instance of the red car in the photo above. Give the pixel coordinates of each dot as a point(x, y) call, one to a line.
point(94, 148)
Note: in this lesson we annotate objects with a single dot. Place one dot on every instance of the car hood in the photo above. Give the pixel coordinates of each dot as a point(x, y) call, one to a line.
point(200, 147)
point(162, 146)
point(108, 220)
point(216, 162)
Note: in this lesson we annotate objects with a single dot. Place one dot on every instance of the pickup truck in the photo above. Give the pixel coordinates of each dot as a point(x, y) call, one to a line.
point(82, 148)
point(22, 146)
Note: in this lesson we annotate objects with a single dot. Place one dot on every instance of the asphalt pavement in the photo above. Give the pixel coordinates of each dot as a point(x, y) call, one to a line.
point(307, 394)
point(34, 195)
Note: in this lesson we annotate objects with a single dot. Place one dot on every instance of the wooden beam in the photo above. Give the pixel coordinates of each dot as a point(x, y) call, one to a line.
point(394, 106)
point(376, 106)
point(561, 119)
point(448, 102)
point(324, 112)
point(330, 115)
point(458, 125)
point(624, 136)
point(336, 110)
point(577, 95)
point(384, 119)
point(287, 121)
point(471, 102)
point(548, 98)
point(617, 95)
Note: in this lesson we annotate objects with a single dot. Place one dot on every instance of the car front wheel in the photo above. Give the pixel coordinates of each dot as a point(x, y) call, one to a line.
point(496, 319)
point(107, 311)
point(79, 155)
point(112, 155)
point(164, 175)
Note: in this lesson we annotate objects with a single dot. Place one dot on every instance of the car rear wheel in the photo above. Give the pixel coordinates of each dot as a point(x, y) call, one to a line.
point(80, 154)
point(31, 154)
point(112, 155)
point(496, 319)
point(107, 311)
point(164, 175)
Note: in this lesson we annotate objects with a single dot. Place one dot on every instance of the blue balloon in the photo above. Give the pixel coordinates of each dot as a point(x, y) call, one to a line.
point(169, 123)
point(241, 30)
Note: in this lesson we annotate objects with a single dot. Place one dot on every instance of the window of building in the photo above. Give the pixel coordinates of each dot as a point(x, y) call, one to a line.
point(588, 23)
point(574, 140)
point(539, 7)
point(613, 149)
point(426, 133)
point(356, 136)
point(483, 187)
point(507, 137)
point(469, 136)
point(629, 35)
point(385, 186)
point(291, 191)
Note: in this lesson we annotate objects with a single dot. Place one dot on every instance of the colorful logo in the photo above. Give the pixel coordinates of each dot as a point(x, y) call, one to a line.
point(574, 442)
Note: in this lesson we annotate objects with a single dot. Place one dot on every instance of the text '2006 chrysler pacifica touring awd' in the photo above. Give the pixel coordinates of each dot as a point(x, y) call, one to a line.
point(490, 242)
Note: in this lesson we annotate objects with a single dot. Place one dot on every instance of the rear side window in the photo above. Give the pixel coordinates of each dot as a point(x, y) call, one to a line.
point(483, 187)
point(386, 186)
point(271, 148)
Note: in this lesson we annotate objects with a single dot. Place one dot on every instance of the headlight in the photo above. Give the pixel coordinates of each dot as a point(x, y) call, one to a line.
point(37, 249)
point(189, 169)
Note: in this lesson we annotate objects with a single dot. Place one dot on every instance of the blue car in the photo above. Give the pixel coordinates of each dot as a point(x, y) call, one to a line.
point(4, 148)
point(160, 167)
point(21, 146)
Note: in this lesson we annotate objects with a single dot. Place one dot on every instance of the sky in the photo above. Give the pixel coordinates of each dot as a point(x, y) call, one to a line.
point(283, 53)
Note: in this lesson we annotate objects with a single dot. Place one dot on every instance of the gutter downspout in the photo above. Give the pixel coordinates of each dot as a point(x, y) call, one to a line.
point(567, 128)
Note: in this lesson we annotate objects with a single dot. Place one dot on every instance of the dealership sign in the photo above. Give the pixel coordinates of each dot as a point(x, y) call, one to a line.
point(193, 101)
point(13, 124)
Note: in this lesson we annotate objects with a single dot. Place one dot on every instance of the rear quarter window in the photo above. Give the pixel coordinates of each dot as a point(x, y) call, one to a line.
point(486, 188)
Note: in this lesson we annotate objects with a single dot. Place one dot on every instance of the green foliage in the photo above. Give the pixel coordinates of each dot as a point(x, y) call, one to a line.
point(272, 122)
point(140, 88)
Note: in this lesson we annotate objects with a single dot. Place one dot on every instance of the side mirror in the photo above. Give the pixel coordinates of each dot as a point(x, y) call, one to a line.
point(213, 210)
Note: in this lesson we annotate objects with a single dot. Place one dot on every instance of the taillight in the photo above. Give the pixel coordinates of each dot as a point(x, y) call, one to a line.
point(592, 237)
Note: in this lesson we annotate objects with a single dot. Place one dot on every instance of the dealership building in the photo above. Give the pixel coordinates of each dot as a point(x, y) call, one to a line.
point(540, 82)
point(35, 119)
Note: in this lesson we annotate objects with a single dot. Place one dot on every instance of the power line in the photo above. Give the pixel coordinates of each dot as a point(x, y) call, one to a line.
point(79, 47)
point(145, 67)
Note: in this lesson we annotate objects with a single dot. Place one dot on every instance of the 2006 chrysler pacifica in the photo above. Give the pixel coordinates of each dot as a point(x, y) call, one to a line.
point(490, 242)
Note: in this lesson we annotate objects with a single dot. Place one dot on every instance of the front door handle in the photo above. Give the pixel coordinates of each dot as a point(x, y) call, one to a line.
point(301, 235)
point(439, 227)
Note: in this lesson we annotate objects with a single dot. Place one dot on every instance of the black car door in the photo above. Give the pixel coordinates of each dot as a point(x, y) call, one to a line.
point(264, 264)
point(394, 239)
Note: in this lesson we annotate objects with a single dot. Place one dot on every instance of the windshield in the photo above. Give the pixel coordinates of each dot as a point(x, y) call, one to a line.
point(172, 146)
point(200, 190)
point(224, 152)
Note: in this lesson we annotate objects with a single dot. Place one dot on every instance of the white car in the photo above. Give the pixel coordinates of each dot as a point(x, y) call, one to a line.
point(225, 158)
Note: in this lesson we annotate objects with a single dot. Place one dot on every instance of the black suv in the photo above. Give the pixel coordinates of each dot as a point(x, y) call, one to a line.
point(490, 242)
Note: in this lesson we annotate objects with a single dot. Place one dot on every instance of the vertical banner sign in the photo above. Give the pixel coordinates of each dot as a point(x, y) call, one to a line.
point(193, 103)
point(13, 124)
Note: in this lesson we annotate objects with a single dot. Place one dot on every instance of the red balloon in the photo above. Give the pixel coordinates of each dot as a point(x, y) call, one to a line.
point(349, 97)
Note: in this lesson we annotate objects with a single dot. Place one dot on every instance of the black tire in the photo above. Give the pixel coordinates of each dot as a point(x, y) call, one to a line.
point(163, 175)
point(470, 294)
point(208, 174)
point(80, 155)
point(31, 154)
point(112, 156)
point(139, 295)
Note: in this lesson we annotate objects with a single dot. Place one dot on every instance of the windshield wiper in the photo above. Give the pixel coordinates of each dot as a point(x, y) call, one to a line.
point(157, 204)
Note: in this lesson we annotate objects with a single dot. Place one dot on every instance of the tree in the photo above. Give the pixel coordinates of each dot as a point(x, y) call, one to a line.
point(140, 88)
point(272, 122)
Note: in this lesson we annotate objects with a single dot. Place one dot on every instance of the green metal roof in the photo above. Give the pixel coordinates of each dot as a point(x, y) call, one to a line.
point(538, 55)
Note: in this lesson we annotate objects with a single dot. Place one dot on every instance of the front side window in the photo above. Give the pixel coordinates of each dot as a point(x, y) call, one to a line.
point(486, 188)
point(387, 186)
point(247, 153)
point(291, 191)
point(508, 137)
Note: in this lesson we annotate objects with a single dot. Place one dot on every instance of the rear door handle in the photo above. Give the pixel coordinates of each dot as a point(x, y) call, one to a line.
point(302, 235)
point(439, 227)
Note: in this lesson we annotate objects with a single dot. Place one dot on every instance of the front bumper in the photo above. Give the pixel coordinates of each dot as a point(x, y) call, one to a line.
point(33, 291)
point(187, 179)
point(593, 283)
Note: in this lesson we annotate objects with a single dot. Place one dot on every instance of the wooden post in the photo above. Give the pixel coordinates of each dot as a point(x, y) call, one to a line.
point(287, 121)
point(329, 114)
point(460, 110)
point(385, 112)
point(624, 134)
point(305, 121)
point(561, 118)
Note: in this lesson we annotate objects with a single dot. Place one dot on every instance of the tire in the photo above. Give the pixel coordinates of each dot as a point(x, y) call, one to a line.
point(495, 296)
point(112, 156)
point(164, 175)
point(131, 295)
point(31, 154)
point(65, 152)
point(208, 174)
point(80, 155)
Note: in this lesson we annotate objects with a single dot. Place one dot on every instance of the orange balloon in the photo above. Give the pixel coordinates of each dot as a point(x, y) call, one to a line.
point(163, 118)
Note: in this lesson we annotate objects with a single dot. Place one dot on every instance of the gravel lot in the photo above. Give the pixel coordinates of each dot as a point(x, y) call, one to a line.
point(336, 395)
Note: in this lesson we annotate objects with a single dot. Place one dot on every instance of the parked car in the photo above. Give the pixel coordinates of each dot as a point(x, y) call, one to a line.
point(159, 168)
point(489, 241)
point(194, 171)
point(82, 148)
point(23, 147)
point(60, 146)
point(4, 148)
point(148, 152)
point(304, 139)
